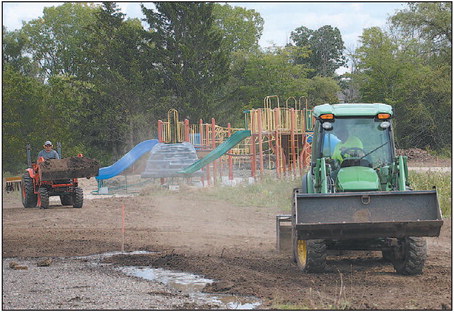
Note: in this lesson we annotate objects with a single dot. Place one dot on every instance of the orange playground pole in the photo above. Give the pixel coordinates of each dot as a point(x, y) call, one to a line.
point(186, 130)
point(160, 131)
point(201, 132)
point(259, 126)
point(213, 146)
point(292, 138)
point(253, 156)
point(277, 142)
point(207, 135)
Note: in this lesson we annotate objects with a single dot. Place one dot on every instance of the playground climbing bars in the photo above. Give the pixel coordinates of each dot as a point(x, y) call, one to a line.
point(280, 139)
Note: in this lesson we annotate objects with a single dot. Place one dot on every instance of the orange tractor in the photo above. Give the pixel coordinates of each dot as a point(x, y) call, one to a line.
point(56, 177)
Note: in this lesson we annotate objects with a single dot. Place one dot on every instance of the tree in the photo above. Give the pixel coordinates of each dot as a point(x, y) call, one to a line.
point(13, 45)
point(121, 85)
point(326, 46)
point(241, 28)
point(266, 73)
point(25, 117)
point(57, 40)
point(430, 23)
point(186, 50)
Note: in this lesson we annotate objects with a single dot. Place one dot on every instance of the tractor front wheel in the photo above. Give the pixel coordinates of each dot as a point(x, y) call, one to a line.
point(29, 198)
point(310, 255)
point(66, 200)
point(410, 256)
point(44, 197)
point(78, 197)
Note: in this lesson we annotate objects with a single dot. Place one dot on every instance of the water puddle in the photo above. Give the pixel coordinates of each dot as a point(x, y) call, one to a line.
point(192, 285)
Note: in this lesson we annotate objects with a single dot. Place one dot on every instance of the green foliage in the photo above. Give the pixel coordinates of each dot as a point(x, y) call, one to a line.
point(57, 40)
point(24, 113)
point(442, 181)
point(410, 70)
point(188, 56)
point(241, 28)
point(326, 46)
point(270, 72)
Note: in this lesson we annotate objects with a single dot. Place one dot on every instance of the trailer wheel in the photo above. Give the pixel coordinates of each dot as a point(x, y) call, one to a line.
point(310, 255)
point(78, 197)
point(44, 197)
point(409, 258)
point(66, 200)
point(29, 198)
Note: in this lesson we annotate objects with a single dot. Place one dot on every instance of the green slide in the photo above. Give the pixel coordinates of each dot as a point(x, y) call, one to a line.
point(223, 148)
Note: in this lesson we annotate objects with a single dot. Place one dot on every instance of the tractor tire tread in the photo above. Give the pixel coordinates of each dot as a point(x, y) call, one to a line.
point(415, 257)
point(316, 256)
point(44, 195)
point(29, 198)
point(78, 198)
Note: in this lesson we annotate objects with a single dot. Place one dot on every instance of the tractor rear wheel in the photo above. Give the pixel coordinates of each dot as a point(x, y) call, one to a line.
point(78, 197)
point(410, 256)
point(66, 200)
point(29, 198)
point(44, 197)
point(310, 255)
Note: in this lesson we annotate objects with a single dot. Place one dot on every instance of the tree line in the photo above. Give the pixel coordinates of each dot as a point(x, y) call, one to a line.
point(87, 76)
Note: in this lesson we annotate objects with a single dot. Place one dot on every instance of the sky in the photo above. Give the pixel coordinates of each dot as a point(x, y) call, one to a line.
point(281, 18)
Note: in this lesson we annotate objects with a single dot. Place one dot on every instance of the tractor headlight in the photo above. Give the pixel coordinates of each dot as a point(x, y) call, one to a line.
point(385, 124)
point(327, 125)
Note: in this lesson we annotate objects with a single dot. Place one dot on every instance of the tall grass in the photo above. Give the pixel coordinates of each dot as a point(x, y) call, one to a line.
point(441, 180)
point(266, 192)
point(271, 192)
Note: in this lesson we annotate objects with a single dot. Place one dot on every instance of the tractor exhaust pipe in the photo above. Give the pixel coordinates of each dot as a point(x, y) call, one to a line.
point(29, 157)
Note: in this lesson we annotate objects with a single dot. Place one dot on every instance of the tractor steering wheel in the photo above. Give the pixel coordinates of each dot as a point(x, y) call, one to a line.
point(352, 152)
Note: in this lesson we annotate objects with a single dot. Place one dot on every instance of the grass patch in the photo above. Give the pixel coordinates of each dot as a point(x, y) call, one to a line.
point(267, 192)
point(442, 181)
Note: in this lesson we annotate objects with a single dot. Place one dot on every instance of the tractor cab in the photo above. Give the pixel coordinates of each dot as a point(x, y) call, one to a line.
point(356, 145)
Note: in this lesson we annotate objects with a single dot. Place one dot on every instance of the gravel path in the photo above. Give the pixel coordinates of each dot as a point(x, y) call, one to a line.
point(80, 284)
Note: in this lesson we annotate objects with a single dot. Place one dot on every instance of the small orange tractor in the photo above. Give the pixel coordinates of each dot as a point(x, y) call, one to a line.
point(56, 177)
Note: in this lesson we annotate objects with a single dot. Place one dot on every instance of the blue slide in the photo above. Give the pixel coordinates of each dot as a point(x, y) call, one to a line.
point(127, 160)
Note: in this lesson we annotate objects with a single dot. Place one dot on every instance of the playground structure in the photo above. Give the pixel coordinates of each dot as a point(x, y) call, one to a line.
point(275, 138)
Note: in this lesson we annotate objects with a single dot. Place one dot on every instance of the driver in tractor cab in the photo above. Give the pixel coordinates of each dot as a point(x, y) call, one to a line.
point(48, 152)
point(347, 143)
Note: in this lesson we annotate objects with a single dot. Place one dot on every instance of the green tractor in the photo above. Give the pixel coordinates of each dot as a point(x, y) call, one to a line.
point(357, 195)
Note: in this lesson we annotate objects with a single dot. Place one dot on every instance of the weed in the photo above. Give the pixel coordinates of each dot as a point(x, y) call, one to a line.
point(442, 181)
point(267, 192)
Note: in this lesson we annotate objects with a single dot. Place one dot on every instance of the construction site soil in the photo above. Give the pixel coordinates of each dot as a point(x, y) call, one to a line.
point(234, 246)
point(71, 167)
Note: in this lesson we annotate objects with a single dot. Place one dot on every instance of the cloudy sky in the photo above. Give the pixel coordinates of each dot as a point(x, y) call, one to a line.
point(280, 17)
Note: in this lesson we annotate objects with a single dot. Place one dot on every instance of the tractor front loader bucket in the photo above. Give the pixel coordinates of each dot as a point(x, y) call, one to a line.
point(68, 168)
point(367, 214)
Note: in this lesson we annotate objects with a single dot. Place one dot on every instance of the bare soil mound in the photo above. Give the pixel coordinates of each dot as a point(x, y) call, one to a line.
point(417, 156)
point(67, 168)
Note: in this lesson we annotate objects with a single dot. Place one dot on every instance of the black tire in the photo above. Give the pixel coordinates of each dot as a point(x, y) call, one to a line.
point(29, 198)
point(44, 197)
point(410, 257)
point(310, 255)
point(78, 197)
point(387, 255)
point(66, 200)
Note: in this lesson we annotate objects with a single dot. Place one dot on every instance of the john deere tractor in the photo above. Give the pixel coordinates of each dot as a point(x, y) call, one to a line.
point(357, 195)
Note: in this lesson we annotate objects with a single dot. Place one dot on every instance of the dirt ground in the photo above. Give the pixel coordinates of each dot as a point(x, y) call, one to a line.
point(233, 245)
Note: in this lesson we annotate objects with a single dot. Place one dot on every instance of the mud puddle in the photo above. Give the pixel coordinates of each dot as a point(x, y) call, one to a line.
point(183, 282)
point(192, 285)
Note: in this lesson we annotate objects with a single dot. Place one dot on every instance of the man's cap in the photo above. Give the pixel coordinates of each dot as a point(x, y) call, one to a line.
point(48, 143)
